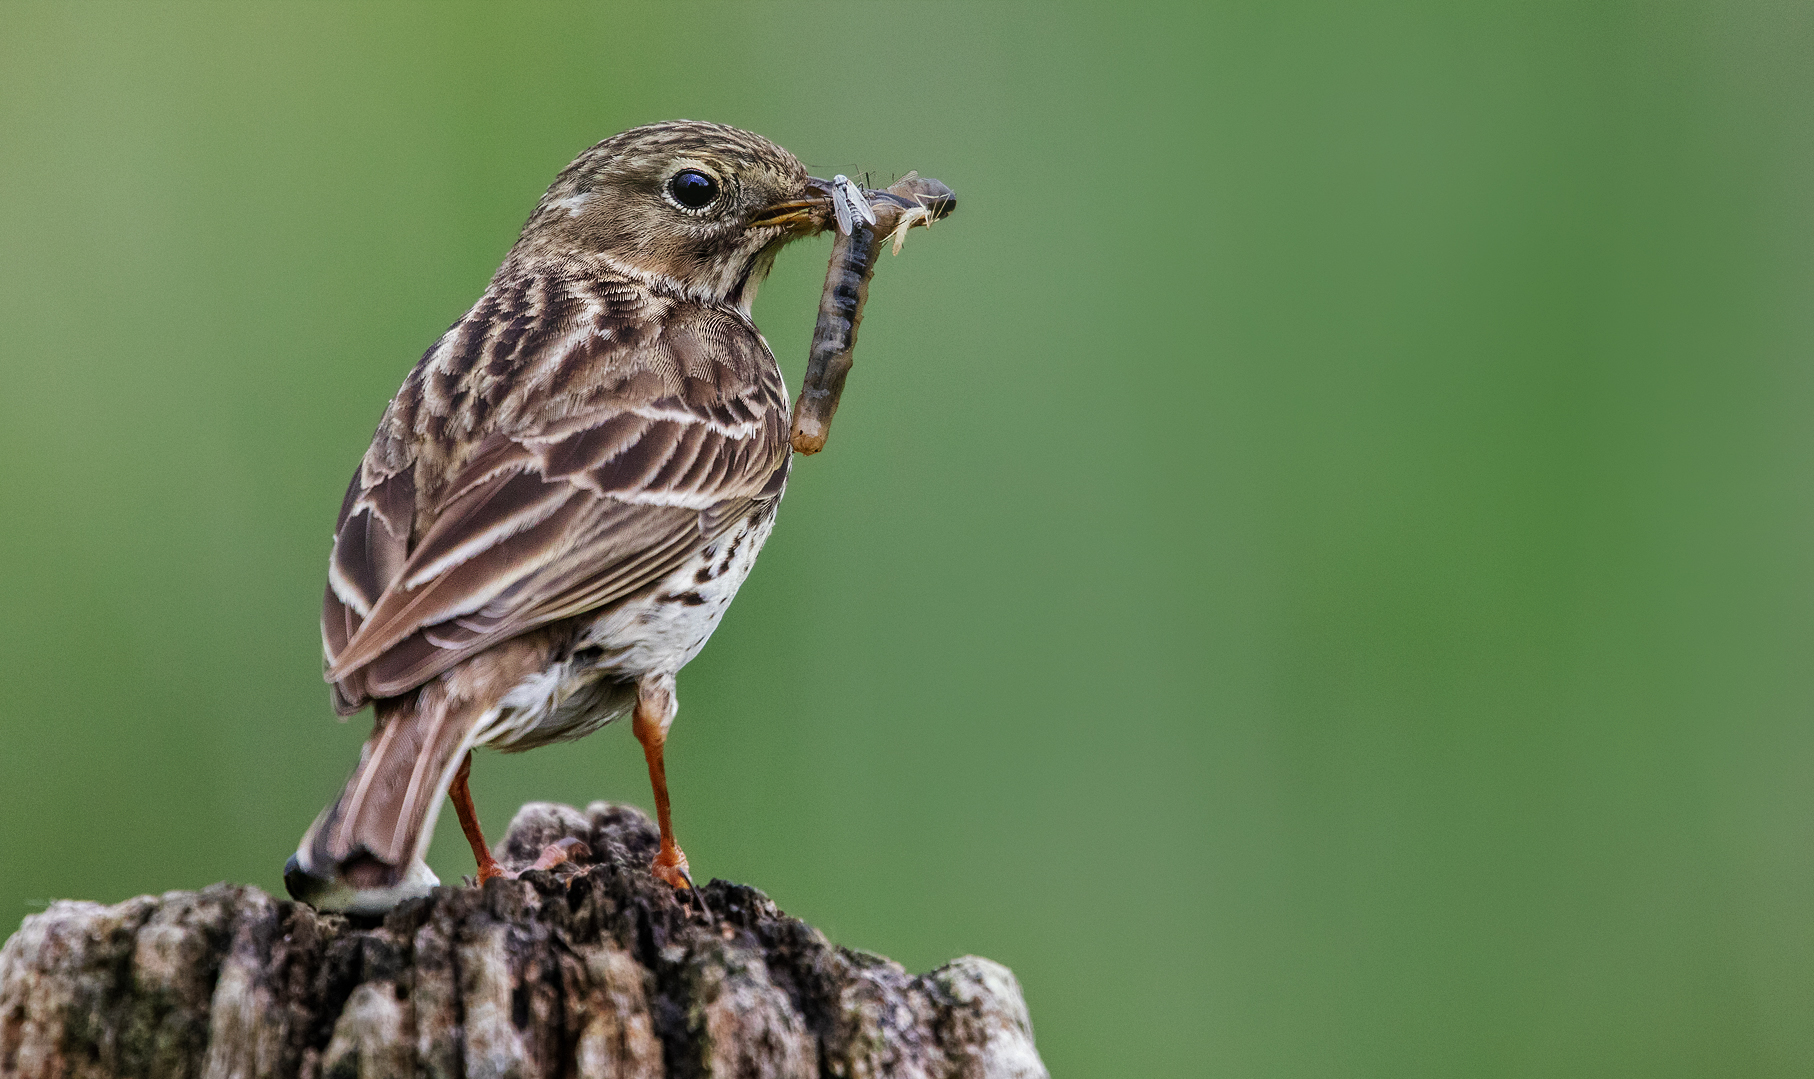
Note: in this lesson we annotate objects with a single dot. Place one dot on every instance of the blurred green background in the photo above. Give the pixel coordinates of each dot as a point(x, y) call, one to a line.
point(1314, 570)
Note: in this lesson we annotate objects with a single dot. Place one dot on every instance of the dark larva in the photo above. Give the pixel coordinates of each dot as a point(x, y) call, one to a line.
point(910, 202)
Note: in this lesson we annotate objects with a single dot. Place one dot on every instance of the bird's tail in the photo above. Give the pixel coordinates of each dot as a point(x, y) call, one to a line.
point(364, 852)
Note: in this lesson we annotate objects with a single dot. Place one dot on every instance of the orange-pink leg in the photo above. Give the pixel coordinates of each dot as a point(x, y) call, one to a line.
point(469, 823)
point(553, 854)
point(655, 708)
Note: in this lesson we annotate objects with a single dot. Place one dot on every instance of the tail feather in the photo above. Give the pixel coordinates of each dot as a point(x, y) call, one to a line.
point(365, 850)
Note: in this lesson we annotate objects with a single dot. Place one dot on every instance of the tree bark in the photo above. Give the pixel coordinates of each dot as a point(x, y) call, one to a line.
point(591, 969)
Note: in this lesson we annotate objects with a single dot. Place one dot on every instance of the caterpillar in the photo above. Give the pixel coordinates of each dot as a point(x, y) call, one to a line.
point(866, 218)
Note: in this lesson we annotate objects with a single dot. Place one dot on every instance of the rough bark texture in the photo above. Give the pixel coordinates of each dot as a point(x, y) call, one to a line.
point(587, 970)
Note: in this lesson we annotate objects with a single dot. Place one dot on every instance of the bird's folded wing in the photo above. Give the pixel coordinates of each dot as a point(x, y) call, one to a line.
point(550, 519)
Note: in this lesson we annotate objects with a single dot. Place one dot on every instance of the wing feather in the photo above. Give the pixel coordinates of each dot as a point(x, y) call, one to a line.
point(590, 448)
point(496, 499)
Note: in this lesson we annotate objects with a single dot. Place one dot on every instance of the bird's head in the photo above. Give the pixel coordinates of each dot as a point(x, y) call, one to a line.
point(701, 207)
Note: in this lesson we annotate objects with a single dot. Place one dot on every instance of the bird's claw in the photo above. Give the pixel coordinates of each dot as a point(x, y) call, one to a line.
point(682, 881)
point(670, 867)
point(562, 851)
point(559, 852)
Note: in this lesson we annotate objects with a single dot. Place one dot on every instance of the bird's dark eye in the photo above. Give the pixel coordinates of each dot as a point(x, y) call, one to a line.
point(693, 189)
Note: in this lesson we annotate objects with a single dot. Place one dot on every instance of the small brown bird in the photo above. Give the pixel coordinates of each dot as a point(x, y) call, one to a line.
point(564, 496)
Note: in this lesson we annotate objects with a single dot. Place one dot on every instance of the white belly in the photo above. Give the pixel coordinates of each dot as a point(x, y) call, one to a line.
point(658, 632)
point(662, 630)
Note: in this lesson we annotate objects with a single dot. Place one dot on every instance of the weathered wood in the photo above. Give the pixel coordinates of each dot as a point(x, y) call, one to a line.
point(588, 970)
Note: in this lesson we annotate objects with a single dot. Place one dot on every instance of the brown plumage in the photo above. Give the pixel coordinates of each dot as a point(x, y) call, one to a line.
point(563, 496)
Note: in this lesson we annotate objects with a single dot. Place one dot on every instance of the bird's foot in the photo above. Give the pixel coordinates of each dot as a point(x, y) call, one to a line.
point(559, 852)
point(670, 867)
point(562, 851)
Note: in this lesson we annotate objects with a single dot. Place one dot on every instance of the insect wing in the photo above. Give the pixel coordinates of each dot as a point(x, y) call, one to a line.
point(840, 202)
point(858, 202)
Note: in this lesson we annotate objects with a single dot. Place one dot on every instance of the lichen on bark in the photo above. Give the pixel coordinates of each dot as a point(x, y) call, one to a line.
point(592, 970)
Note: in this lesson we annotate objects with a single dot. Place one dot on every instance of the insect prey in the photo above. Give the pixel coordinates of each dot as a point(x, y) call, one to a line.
point(864, 219)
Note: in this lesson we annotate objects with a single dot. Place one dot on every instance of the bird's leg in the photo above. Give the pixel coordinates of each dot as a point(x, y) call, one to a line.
point(555, 853)
point(655, 707)
point(469, 823)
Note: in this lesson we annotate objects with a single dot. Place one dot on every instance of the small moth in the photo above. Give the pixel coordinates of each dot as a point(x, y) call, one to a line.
point(849, 203)
point(865, 218)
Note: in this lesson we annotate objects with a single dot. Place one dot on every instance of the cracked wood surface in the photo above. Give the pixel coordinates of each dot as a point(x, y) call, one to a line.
point(586, 970)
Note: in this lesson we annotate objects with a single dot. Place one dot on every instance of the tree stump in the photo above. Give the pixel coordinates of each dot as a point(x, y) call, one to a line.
point(590, 969)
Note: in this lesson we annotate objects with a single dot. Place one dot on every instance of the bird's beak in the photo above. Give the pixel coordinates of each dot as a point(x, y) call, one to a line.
point(804, 215)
